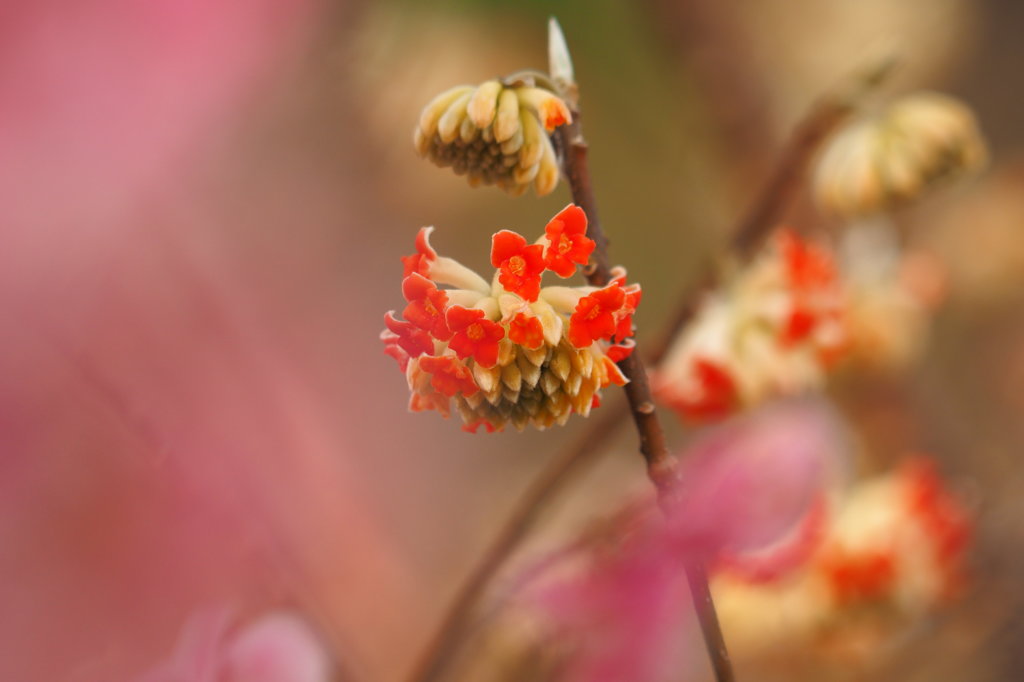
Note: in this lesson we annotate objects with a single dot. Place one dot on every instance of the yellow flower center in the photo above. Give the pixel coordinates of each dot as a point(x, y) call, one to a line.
point(517, 265)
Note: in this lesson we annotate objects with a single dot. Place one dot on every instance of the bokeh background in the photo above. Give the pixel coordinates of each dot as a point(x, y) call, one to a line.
point(204, 208)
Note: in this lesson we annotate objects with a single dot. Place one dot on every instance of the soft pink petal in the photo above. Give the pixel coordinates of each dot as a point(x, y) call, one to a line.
point(751, 480)
point(277, 648)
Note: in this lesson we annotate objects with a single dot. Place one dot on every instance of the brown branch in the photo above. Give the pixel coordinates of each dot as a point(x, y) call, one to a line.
point(661, 466)
point(787, 179)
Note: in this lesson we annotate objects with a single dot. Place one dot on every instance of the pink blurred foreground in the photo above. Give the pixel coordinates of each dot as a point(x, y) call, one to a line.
point(163, 446)
point(745, 485)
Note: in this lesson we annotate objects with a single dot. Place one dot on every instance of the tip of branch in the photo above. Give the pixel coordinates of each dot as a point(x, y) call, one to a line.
point(876, 70)
point(559, 60)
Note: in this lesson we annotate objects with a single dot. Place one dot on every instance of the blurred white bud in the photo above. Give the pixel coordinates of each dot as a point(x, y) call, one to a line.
point(916, 143)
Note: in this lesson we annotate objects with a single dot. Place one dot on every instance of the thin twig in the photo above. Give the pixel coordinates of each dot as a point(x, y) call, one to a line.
point(661, 466)
point(784, 184)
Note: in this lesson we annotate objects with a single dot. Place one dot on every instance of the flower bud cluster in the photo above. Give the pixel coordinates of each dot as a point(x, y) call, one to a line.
point(495, 134)
point(891, 551)
point(509, 351)
point(772, 331)
point(919, 141)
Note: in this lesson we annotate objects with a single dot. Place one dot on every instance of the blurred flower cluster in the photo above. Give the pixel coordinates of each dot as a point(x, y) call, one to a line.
point(799, 311)
point(916, 143)
point(873, 562)
point(802, 560)
point(772, 330)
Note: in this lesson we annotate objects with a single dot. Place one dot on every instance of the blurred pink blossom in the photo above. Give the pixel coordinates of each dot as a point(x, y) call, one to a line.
point(99, 99)
point(751, 481)
point(169, 430)
point(745, 484)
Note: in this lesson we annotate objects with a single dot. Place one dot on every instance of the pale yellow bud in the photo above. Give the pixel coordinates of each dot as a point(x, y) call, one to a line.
point(451, 120)
point(510, 147)
point(524, 176)
point(507, 122)
point(547, 174)
point(533, 142)
point(919, 142)
point(432, 112)
point(484, 103)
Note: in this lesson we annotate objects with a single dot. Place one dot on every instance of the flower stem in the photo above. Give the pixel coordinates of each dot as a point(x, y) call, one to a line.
point(661, 466)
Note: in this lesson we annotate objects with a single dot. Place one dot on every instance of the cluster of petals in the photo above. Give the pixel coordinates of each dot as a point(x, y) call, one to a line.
point(509, 350)
point(495, 134)
point(773, 331)
point(619, 602)
point(889, 551)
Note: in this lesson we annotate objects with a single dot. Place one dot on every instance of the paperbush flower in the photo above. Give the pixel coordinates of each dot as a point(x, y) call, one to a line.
point(620, 605)
point(495, 134)
point(919, 141)
point(771, 331)
point(899, 542)
point(509, 350)
point(890, 551)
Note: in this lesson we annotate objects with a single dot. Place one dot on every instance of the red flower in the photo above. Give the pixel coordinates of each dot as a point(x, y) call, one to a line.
point(473, 336)
point(426, 306)
point(620, 351)
point(807, 267)
point(863, 577)
point(392, 349)
point(811, 273)
point(521, 265)
point(472, 428)
point(408, 336)
point(624, 326)
point(939, 511)
point(798, 325)
point(449, 375)
point(715, 397)
point(419, 261)
point(425, 402)
point(595, 316)
point(527, 331)
point(568, 244)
